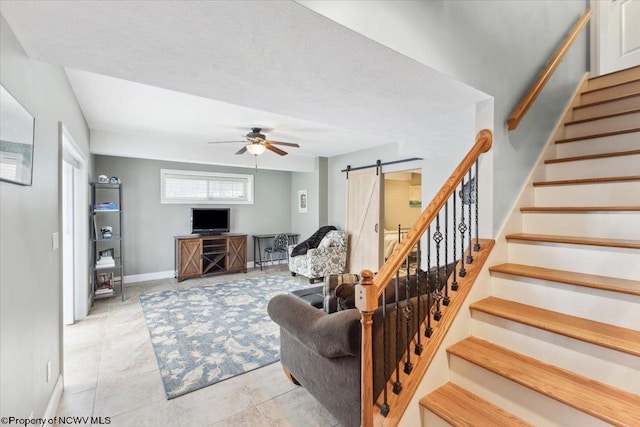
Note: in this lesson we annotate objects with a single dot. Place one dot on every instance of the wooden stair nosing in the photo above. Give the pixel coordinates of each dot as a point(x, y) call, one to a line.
point(599, 400)
point(578, 209)
point(460, 407)
point(612, 284)
point(607, 179)
point(610, 86)
point(597, 135)
point(605, 116)
point(576, 240)
point(592, 157)
point(606, 101)
point(603, 334)
point(614, 72)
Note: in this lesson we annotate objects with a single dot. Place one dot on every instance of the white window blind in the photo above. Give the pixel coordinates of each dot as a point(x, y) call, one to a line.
point(205, 187)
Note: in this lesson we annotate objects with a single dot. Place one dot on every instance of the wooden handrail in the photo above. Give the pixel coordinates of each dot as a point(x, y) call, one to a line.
point(545, 75)
point(483, 143)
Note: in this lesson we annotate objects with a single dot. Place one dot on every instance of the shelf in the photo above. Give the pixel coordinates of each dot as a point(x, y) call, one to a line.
point(105, 295)
point(106, 186)
point(116, 237)
point(104, 210)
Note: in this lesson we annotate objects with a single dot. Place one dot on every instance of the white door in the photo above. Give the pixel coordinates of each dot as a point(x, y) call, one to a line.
point(618, 35)
point(364, 220)
point(68, 243)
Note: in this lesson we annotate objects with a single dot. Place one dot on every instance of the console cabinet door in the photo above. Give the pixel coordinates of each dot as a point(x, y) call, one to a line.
point(189, 257)
point(237, 250)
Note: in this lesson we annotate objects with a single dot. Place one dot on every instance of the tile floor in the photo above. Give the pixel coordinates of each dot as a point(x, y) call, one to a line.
point(111, 371)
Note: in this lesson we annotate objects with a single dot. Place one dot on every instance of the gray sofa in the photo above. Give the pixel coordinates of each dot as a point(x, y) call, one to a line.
point(321, 349)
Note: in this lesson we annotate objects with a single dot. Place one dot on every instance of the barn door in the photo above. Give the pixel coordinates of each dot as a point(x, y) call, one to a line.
point(364, 220)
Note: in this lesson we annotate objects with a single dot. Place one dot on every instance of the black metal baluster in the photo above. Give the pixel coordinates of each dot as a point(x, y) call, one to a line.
point(437, 237)
point(454, 283)
point(418, 348)
point(397, 385)
point(429, 330)
point(446, 299)
point(470, 256)
point(408, 314)
point(384, 408)
point(476, 247)
point(462, 228)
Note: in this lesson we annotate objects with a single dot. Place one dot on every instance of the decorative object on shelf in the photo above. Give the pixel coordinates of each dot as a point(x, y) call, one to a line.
point(16, 140)
point(103, 179)
point(114, 180)
point(106, 232)
point(302, 201)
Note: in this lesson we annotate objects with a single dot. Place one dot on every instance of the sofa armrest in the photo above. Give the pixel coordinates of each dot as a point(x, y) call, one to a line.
point(330, 335)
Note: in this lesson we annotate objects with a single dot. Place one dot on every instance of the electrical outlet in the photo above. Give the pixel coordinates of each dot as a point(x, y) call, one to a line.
point(55, 241)
point(48, 370)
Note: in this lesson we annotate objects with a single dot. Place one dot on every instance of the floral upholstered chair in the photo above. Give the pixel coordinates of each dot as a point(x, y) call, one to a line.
point(330, 257)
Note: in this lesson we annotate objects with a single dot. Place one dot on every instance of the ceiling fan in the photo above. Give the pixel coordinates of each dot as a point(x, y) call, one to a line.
point(256, 143)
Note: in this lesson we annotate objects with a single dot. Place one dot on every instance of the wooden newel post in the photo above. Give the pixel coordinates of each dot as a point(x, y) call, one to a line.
point(366, 302)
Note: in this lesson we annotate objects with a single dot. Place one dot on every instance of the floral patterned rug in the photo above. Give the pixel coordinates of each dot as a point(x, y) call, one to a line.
point(203, 335)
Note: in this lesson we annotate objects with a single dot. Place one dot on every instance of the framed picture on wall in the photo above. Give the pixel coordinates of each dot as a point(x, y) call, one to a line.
point(16, 140)
point(302, 201)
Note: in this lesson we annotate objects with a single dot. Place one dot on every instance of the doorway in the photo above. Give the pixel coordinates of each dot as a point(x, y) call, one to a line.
point(74, 227)
point(615, 35)
point(402, 206)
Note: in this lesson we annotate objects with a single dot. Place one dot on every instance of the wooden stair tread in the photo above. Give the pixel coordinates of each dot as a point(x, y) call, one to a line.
point(604, 116)
point(614, 284)
point(592, 156)
point(460, 407)
point(597, 135)
point(610, 86)
point(602, 334)
point(614, 72)
point(606, 101)
point(588, 180)
point(576, 240)
point(599, 400)
point(546, 209)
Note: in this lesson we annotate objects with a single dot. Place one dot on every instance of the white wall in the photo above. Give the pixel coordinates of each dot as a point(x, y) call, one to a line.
point(306, 223)
point(30, 282)
point(498, 47)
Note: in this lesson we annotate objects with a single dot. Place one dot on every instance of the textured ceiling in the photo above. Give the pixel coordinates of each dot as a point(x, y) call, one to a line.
point(308, 72)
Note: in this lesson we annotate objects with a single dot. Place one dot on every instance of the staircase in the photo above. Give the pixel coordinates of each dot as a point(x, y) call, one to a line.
point(558, 342)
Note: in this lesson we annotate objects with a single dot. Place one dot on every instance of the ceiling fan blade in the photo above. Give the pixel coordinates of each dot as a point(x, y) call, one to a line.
point(242, 150)
point(288, 144)
point(222, 142)
point(276, 150)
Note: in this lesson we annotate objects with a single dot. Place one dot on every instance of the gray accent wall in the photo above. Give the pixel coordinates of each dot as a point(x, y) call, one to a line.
point(149, 226)
point(498, 47)
point(316, 184)
point(30, 271)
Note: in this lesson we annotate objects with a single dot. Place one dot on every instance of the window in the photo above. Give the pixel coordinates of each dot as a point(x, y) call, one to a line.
point(205, 187)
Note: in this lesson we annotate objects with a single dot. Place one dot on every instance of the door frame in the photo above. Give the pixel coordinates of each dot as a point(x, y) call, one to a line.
point(70, 152)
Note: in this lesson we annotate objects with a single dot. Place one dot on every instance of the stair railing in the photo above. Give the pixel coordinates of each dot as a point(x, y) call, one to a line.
point(412, 300)
point(547, 72)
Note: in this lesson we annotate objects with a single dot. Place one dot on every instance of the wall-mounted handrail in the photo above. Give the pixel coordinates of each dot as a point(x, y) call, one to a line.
point(546, 74)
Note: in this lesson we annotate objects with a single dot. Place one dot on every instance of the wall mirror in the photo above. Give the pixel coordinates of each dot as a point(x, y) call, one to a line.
point(16, 140)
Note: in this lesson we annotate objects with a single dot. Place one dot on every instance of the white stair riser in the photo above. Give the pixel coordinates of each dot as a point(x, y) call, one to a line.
point(613, 225)
point(602, 261)
point(615, 78)
point(607, 144)
point(521, 401)
point(594, 304)
point(432, 420)
point(611, 92)
point(614, 368)
point(609, 124)
point(611, 107)
point(624, 193)
point(594, 168)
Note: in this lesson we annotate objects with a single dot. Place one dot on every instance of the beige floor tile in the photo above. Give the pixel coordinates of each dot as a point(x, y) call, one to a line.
point(76, 405)
point(248, 418)
point(296, 408)
point(211, 404)
point(114, 396)
point(156, 414)
point(266, 383)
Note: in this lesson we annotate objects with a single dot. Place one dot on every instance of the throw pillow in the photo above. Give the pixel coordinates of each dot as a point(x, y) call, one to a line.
point(325, 242)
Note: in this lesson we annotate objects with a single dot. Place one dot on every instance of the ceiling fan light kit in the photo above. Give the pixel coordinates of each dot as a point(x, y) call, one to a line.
point(257, 144)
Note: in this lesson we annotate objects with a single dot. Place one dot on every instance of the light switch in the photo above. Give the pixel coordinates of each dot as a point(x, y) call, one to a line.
point(55, 241)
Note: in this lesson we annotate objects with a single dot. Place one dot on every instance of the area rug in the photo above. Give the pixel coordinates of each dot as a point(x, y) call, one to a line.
point(203, 335)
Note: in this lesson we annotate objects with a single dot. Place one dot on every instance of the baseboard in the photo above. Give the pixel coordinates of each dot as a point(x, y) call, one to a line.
point(54, 401)
point(134, 278)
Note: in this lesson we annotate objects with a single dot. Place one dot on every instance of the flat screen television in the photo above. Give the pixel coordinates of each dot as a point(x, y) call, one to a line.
point(210, 220)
